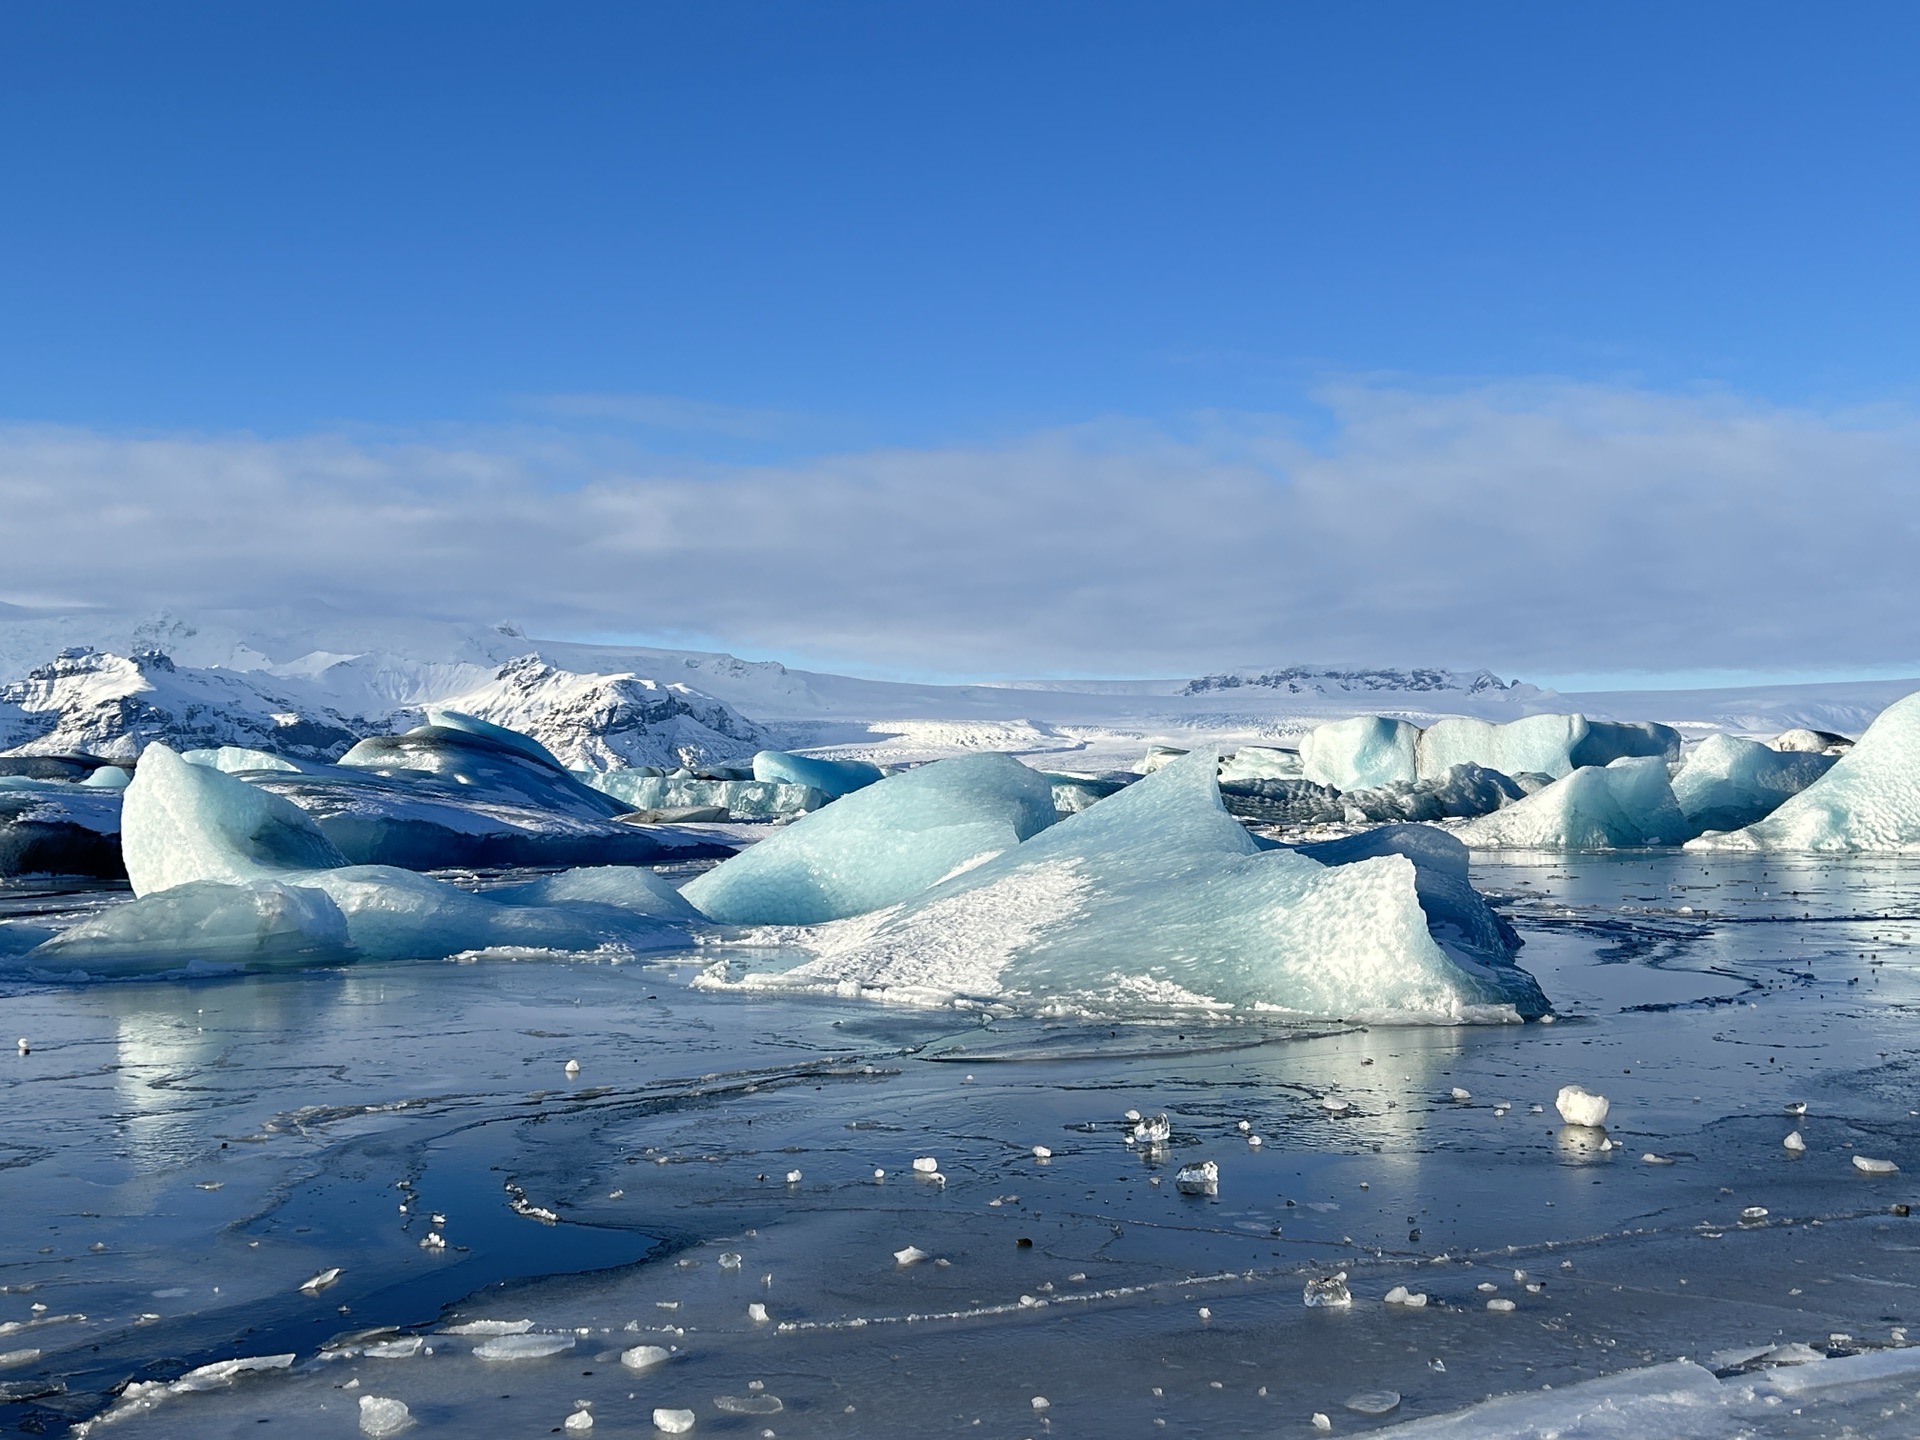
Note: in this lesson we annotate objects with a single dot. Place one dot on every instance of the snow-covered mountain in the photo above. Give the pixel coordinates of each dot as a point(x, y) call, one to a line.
point(1329, 680)
point(607, 722)
point(87, 702)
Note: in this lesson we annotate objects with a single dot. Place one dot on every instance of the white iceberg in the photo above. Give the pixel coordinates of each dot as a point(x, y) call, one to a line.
point(1553, 745)
point(1728, 783)
point(1868, 801)
point(880, 845)
point(1261, 762)
point(1361, 753)
point(1600, 807)
point(1157, 897)
point(226, 872)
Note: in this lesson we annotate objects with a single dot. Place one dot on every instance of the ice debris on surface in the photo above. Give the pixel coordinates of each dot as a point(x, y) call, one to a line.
point(381, 1416)
point(673, 1422)
point(1552, 745)
point(1624, 804)
point(833, 778)
point(1869, 800)
point(1727, 783)
point(881, 845)
point(489, 1327)
point(1360, 753)
point(1157, 896)
point(1400, 1295)
point(644, 1357)
point(1374, 1402)
point(579, 1422)
point(1794, 1141)
point(1578, 1106)
point(1868, 1166)
point(224, 871)
point(1199, 1179)
point(523, 1347)
point(1328, 1291)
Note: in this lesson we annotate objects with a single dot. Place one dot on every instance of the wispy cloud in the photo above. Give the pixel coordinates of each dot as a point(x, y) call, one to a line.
point(1541, 528)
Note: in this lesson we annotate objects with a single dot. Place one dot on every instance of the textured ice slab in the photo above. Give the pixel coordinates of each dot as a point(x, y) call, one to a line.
point(880, 845)
point(1261, 762)
point(1360, 754)
point(1157, 897)
point(1554, 745)
point(742, 799)
point(832, 777)
point(1728, 783)
point(1624, 804)
point(1869, 800)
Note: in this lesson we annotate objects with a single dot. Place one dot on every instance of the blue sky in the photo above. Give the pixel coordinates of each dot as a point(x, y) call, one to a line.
point(674, 242)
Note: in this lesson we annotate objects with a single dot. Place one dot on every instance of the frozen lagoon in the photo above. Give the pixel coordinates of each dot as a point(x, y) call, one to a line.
point(224, 1140)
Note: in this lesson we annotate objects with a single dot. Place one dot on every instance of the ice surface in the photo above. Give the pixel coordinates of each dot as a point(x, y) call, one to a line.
point(1623, 804)
point(381, 1416)
point(1158, 895)
point(1361, 753)
point(1869, 800)
point(881, 844)
point(237, 759)
point(830, 777)
point(1728, 783)
point(1552, 745)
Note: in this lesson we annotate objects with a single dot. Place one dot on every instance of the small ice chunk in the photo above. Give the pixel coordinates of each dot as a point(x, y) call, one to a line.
point(573, 1067)
point(1200, 1179)
point(522, 1347)
point(1500, 1305)
point(579, 1422)
point(1132, 1117)
point(912, 1255)
point(1461, 1094)
point(1254, 1142)
point(793, 1177)
point(1330, 1292)
point(1652, 1159)
point(23, 1045)
point(749, 1404)
point(757, 1313)
point(402, 1349)
point(320, 1281)
point(1245, 1125)
point(644, 1357)
point(1868, 1166)
point(673, 1422)
point(1205, 1313)
point(1374, 1402)
point(926, 1165)
point(1041, 1152)
point(381, 1416)
point(490, 1327)
point(1155, 1131)
point(730, 1260)
point(1400, 1295)
point(1796, 1107)
point(1321, 1422)
point(1335, 1107)
point(1794, 1141)
point(223, 1371)
point(1040, 1402)
point(1581, 1107)
point(1754, 1212)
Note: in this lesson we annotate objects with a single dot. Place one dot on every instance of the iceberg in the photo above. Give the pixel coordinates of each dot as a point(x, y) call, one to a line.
point(1868, 801)
point(238, 760)
point(1458, 917)
point(1553, 745)
point(228, 873)
point(1361, 753)
point(1728, 783)
point(57, 827)
point(880, 845)
point(1157, 897)
point(741, 799)
point(1598, 807)
point(458, 749)
point(833, 778)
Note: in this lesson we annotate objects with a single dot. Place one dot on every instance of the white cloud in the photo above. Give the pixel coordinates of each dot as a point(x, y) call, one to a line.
point(1542, 528)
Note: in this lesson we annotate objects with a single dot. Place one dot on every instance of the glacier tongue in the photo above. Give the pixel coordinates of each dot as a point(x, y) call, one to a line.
point(1158, 896)
point(880, 845)
point(1868, 801)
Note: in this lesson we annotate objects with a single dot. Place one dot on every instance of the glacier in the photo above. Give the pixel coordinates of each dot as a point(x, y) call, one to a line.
point(1728, 783)
point(1868, 801)
point(1625, 804)
point(1157, 897)
point(880, 844)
